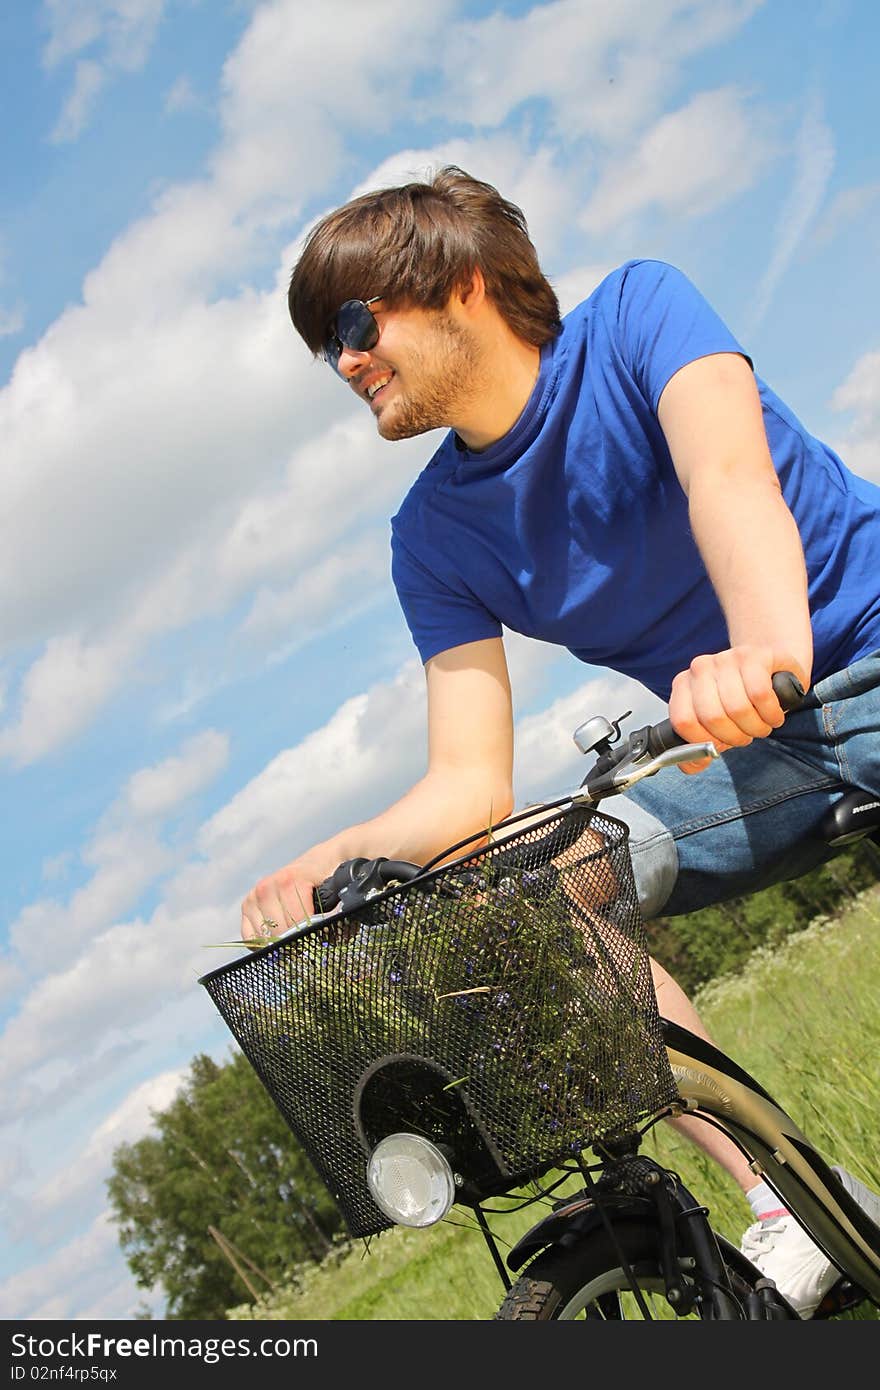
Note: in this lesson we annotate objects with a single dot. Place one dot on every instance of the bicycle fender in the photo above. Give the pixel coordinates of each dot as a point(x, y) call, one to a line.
point(578, 1217)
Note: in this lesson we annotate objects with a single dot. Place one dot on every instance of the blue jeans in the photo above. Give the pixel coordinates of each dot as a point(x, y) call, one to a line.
point(751, 818)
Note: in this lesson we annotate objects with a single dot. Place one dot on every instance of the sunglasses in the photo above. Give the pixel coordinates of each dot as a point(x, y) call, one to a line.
point(354, 327)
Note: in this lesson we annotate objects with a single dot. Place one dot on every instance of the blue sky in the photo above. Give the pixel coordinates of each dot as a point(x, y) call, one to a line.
point(201, 653)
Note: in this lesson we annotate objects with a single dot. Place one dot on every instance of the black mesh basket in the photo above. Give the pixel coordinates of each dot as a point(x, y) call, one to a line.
point(501, 1005)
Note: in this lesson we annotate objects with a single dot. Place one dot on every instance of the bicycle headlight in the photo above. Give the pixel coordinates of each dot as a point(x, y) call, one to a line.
point(410, 1180)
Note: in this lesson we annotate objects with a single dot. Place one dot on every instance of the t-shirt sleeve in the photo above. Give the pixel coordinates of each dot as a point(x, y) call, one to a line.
point(438, 615)
point(664, 322)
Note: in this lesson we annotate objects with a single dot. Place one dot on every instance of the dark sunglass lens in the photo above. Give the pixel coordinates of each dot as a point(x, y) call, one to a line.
point(332, 350)
point(356, 327)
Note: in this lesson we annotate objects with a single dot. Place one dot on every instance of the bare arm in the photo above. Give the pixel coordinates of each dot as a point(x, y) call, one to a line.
point(466, 788)
point(710, 413)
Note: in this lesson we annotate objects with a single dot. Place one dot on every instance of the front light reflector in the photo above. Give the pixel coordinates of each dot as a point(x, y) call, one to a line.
point(410, 1180)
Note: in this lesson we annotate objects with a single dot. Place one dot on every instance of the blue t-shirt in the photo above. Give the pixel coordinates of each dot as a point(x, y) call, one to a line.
point(573, 528)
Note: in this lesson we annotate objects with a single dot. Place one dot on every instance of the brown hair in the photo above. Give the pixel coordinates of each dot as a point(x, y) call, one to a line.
point(415, 245)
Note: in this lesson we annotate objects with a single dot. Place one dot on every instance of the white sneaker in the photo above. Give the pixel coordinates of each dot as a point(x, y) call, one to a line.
point(783, 1252)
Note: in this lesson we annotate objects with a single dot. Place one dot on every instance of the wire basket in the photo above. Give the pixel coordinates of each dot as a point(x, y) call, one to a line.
point(501, 1005)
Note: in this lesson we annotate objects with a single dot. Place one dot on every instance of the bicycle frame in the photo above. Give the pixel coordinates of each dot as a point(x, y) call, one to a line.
point(713, 1084)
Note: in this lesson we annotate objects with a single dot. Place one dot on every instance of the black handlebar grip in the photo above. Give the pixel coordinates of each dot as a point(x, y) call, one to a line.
point(662, 736)
point(324, 896)
point(357, 878)
point(788, 690)
point(786, 687)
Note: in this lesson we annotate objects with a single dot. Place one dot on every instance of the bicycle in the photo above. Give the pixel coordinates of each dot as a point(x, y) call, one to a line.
point(443, 1034)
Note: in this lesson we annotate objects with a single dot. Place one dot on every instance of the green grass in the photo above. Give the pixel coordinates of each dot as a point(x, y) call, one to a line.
point(802, 1018)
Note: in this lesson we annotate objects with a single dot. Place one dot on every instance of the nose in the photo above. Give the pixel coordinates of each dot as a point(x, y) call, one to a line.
point(351, 361)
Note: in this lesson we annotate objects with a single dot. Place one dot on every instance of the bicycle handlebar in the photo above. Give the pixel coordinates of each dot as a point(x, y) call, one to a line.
point(640, 755)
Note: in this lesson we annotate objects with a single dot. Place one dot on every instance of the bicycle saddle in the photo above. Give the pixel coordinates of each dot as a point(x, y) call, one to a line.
point(856, 814)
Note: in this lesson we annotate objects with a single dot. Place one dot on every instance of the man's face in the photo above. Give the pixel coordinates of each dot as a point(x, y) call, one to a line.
point(421, 373)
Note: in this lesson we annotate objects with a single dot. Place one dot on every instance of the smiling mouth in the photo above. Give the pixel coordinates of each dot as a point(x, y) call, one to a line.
point(377, 387)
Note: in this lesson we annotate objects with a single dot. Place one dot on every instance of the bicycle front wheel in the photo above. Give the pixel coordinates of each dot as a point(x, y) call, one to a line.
point(588, 1280)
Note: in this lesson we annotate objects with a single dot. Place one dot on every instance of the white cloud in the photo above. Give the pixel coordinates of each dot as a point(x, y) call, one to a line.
point(126, 853)
point(85, 1172)
point(88, 83)
point(860, 392)
point(294, 803)
point(338, 479)
point(11, 321)
point(859, 395)
point(73, 1278)
point(154, 791)
point(547, 761)
point(12, 1162)
point(150, 413)
point(286, 124)
point(65, 1186)
point(134, 496)
point(149, 426)
point(578, 284)
point(331, 592)
point(611, 65)
point(69, 1019)
point(60, 693)
point(690, 161)
point(813, 158)
point(125, 866)
point(848, 206)
point(57, 865)
point(125, 28)
point(181, 96)
point(109, 992)
point(122, 31)
point(11, 977)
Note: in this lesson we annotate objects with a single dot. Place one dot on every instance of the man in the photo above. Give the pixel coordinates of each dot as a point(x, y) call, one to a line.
point(621, 484)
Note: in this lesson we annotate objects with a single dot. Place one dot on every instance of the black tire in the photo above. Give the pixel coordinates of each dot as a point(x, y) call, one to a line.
point(587, 1280)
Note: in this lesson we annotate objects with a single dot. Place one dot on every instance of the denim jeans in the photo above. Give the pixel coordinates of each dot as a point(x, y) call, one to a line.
point(752, 817)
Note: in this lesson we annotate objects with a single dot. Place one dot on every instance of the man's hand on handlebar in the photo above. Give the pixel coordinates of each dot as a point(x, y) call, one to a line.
point(728, 698)
point(282, 899)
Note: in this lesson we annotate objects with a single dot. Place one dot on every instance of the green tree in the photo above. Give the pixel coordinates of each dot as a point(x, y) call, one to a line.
point(221, 1200)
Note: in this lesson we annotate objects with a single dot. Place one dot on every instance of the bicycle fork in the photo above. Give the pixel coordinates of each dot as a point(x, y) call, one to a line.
point(634, 1188)
point(693, 1269)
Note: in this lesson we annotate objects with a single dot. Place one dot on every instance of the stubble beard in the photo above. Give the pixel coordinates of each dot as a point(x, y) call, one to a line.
point(445, 375)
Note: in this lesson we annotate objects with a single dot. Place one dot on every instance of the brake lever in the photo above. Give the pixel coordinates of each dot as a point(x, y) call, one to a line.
point(670, 757)
point(636, 763)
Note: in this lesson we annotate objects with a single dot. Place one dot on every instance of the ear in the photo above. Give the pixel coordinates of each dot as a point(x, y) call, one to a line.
point(473, 295)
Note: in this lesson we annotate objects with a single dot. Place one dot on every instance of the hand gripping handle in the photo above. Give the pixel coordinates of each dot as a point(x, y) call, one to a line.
point(786, 687)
